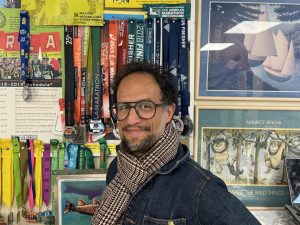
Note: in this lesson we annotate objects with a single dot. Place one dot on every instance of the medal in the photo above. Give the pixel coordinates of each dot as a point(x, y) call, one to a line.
point(178, 124)
point(25, 92)
point(47, 217)
point(188, 126)
point(96, 126)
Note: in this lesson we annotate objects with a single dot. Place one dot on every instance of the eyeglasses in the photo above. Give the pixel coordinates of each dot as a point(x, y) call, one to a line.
point(144, 109)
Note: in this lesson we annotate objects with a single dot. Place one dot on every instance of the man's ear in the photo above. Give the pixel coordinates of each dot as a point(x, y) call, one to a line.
point(170, 112)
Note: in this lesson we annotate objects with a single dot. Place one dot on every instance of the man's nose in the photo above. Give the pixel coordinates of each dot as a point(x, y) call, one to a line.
point(133, 117)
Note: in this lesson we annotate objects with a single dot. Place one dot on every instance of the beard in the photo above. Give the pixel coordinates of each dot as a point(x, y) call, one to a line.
point(143, 145)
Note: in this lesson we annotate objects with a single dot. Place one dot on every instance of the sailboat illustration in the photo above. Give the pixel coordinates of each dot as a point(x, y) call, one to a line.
point(282, 66)
point(260, 45)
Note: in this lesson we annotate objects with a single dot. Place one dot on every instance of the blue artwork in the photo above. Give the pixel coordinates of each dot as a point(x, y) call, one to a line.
point(258, 53)
point(77, 199)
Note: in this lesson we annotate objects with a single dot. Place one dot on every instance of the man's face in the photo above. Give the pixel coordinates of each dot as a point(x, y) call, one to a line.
point(141, 134)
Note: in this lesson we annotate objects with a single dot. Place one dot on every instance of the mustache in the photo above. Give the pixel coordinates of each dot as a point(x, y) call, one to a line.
point(139, 127)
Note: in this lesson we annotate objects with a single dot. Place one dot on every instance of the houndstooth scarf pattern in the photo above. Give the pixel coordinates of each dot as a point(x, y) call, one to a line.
point(133, 173)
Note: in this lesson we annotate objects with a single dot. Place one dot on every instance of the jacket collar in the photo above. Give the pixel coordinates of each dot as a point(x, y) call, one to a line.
point(182, 155)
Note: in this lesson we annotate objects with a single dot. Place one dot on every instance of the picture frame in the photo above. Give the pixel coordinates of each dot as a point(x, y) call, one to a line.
point(75, 196)
point(246, 147)
point(229, 66)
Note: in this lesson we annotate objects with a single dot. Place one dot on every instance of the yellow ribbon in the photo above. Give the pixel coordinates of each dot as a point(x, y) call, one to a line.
point(38, 148)
point(0, 173)
point(7, 170)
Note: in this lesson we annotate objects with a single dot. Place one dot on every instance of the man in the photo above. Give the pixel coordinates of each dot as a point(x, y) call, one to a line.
point(153, 180)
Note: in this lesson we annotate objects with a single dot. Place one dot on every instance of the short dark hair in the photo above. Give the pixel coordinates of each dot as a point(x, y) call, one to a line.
point(161, 76)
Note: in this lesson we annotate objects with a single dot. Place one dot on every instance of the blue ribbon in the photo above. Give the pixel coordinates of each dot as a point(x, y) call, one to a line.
point(24, 39)
point(183, 68)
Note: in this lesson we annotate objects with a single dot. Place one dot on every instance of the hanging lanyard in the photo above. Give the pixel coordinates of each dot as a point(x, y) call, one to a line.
point(24, 162)
point(89, 158)
point(17, 173)
point(70, 156)
point(70, 131)
point(184, 81)
point(131, 40)
point(24, 39)
point(85, 37)
point(157, 41)
point(149, 41)
point(0, 174)
point(105, 70)
point(46, 175)
point(61, 153)
point(54, 167)
point(139, 41)
point(38, 149)
point(122, 45)
point(165, 42)
point(31, 194)
point(96, 125)
point(103, 153)
point(7, 170)
point(112, 55)
point(77, 71)
point(174, 26)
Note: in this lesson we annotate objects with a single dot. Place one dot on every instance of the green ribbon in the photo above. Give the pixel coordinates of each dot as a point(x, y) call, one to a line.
point(103, 153)
point(54, 167)
point(17, 173)
point(81, 157)
point(61, 154)
point(23, 164)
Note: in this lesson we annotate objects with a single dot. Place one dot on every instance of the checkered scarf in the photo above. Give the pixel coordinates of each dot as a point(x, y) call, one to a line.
point(132, 173)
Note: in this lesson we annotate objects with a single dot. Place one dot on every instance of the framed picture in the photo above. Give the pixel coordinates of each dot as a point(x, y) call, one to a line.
point(75, 197)
point(249, 49)
point(246, 148)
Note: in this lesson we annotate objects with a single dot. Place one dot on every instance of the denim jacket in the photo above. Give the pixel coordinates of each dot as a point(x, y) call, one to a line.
point(183, 193)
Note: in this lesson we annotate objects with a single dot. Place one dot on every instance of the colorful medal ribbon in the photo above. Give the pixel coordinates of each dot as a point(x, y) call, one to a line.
point(70, 92)
point(38, 149)
point(112, 55)
point(24, 39)
point(157, 41)
point(103, 153)
point(89, 158)
point(31, 194)
point(7, 171)
point(139, 41)
point(46, 175)
point(165, 41)
point(173, 68)
point(17, 172)
point(149, 41)
point(24, 162)
point(54, 167)
point(1, 174)
point(184, 78)
point(81, 158)
point(85, 38)
point(61, 153)
point(131, 40)
point(105, 69)
point(96, 125)
point(71, 153)
point(122, 45)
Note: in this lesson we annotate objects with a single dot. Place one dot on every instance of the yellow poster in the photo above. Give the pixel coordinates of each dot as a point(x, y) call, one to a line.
point(138, 3)
point(65, 12)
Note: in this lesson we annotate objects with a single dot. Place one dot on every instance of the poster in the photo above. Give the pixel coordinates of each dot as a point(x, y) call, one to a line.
point(75, 197)
point(246, 148)
point(249, 49)
point(137, 3)
point(39, 117)
point(65, 12)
